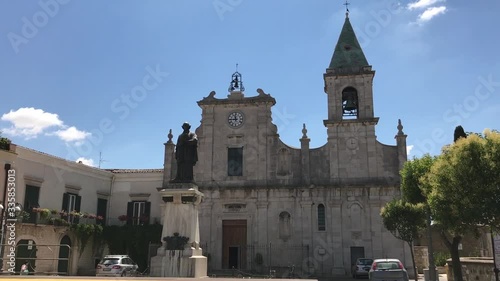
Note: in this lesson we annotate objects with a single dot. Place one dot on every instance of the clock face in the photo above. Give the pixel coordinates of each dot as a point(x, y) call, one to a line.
point(235, 119)
point(352, 143)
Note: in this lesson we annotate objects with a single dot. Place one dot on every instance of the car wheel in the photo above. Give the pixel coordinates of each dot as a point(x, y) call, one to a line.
point(124, 273)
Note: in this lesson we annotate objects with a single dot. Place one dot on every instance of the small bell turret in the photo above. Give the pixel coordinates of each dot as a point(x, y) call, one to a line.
point(236, 82)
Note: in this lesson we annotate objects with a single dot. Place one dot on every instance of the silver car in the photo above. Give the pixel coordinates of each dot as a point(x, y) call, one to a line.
point(361, 267)
point(116, 265)
point(388, 270)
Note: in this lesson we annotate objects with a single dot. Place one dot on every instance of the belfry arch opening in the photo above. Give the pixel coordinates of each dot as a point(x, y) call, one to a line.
point(350, 104)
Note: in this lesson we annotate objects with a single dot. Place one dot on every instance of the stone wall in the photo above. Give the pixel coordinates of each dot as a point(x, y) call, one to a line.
point(474, 268)
point(471, 246)
point(352, 220)
point(46, 240)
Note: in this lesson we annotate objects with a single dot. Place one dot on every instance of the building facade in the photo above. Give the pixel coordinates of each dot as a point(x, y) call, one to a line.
point(267, 206)
point(317, 209)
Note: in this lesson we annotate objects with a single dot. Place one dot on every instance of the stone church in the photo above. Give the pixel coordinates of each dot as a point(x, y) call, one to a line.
point(269, 206)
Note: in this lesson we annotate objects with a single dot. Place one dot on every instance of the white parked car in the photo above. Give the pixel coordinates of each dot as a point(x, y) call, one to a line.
point(116, 265)
point(388, 270)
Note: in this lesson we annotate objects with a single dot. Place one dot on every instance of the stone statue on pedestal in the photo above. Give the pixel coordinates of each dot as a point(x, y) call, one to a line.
point(186, 154)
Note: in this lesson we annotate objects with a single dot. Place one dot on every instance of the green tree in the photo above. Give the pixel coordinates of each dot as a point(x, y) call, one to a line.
point(412, 175)
point(463, 190)
point(405, 221)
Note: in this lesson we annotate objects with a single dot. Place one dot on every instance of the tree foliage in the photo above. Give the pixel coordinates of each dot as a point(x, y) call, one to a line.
point(4, 142)
point(412, 178)
point(403, 219)
point(463, 189)
point(406, 218)
point(464, 184)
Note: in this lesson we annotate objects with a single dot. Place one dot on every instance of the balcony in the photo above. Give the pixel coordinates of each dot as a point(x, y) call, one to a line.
point(41, 216)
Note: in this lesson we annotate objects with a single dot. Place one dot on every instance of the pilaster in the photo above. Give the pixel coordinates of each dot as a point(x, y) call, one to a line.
point(401, 145)
point(305, 157)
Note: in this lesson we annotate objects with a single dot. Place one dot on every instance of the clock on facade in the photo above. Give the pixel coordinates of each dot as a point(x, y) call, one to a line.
point(235, 119)
point(352, 143)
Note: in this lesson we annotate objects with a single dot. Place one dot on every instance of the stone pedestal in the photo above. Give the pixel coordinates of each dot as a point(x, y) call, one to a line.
point(180, 223)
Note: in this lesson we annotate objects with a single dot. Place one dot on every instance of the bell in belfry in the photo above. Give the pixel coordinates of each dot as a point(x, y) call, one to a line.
point(350, 103)
point(236, 82)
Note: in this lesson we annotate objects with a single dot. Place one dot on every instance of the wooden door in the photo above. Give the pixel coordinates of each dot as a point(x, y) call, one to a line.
point(234, 241)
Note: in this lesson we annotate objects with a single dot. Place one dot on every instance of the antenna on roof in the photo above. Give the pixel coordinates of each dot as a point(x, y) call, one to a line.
point(101, 160)
point(347, 8)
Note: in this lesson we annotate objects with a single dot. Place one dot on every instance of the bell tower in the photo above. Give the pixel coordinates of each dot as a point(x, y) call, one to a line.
point(351, 122)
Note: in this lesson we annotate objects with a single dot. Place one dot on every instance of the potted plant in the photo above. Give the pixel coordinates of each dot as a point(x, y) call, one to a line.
point(63, 214)
point(123, 218)
point(44, 213)
point(23, 216)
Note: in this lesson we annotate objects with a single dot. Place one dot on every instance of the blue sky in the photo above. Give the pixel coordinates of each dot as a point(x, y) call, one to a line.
point(68, 69)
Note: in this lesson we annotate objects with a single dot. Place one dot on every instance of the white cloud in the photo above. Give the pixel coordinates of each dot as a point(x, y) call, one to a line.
point(71, 134)
point(422, 4)
point(85, 161)
point(428, 14)
point(30, 122)
point(409, 148)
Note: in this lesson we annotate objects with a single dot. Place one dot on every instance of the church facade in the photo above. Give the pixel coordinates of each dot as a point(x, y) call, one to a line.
point(316, 209)
point(268, 207)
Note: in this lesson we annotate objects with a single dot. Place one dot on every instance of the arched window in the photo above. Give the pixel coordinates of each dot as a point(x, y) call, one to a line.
point(321, 218)
point(284, 226)
point(350, 103)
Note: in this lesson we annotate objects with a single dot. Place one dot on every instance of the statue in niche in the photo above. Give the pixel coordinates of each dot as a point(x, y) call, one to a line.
point(186, 154)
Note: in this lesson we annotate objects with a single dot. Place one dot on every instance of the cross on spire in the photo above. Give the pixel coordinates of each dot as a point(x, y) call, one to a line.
point(346, 4)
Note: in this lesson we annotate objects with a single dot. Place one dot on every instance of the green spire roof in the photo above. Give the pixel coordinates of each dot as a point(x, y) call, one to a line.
point(348, 52)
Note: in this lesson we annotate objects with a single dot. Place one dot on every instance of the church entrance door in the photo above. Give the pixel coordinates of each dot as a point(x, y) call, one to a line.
point(234, 241)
